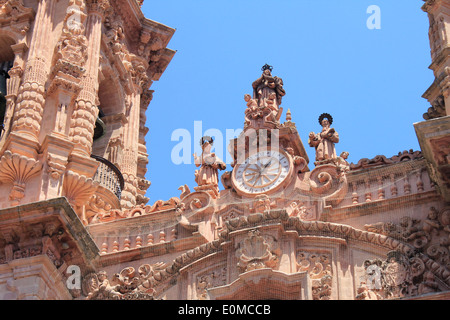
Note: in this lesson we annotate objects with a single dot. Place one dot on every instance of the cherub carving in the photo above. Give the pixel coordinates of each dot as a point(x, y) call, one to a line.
point(97, 286)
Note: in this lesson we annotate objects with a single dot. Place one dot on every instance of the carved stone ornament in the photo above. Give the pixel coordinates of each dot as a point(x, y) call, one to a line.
point(173, 203)
point(30, 241)
point(18, 169)
point(430, 236)
point(72, 46)
point(382, 160)
point(257, 251)
point(126, 285)
point(318, 266)
point(329, 180)
point(15, 14)
point(78, 189)
point(209, 280)
point(396, 277)
point(417, 274)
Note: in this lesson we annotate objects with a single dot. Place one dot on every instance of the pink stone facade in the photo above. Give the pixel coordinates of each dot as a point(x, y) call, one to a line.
point(75, 222)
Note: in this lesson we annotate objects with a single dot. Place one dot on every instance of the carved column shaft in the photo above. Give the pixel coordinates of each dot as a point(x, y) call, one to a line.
point(86, 111)
point(30, 99)
point(130, 154)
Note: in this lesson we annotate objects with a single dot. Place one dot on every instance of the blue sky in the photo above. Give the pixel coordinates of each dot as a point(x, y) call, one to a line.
point(370, 81)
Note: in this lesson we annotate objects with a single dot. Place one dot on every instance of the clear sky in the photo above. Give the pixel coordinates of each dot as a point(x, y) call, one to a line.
point(370, 80)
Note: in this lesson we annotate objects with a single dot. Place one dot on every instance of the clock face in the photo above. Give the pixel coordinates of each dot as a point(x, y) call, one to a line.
point(261, 172)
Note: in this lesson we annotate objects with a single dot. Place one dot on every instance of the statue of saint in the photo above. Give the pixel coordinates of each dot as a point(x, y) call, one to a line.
point(266, 86)
point(324, 141)
point(209, 164)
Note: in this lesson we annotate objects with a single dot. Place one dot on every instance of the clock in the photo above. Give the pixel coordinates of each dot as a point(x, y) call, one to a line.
point(262, 172)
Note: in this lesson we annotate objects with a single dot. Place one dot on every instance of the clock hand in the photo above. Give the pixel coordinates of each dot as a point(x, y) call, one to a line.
point(267, 164)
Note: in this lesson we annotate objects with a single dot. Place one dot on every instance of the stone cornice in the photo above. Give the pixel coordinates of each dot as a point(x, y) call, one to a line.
point(158, 249)
point(38, 211)
point(378, 206)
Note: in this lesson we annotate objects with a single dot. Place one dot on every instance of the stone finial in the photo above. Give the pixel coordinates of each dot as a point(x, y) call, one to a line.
point(288, 115)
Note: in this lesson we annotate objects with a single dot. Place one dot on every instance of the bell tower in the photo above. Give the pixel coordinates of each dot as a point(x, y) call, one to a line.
point(434, 133)
point(438, 94)
point(75, 80)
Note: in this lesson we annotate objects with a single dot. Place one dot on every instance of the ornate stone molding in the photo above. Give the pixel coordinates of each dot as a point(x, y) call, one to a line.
point(173, 203)
point(381, 160)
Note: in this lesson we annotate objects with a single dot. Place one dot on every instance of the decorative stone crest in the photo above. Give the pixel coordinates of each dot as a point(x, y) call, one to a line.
point(396, 277)
point(257, 251)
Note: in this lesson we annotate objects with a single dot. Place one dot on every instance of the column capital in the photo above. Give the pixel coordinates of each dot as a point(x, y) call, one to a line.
point(98, 7)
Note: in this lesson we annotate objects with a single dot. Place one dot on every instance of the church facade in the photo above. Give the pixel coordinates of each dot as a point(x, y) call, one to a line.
point(75, 222)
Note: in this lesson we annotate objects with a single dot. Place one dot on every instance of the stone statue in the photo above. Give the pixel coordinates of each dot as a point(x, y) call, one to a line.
point(207, 176)
point(267, 85)
point(325, 140)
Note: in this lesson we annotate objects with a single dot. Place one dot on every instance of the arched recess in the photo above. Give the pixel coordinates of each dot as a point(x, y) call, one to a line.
point(265, 284)
point(111, 118)
point(6, 63)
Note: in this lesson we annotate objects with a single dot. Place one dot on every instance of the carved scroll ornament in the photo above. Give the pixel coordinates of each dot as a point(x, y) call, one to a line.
point(126, 285)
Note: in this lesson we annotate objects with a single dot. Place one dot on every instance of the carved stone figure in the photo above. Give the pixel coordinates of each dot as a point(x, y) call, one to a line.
point(342, 162)
point(325, 140)
point(261, 203)
point(207, 176)
point(266, 85)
